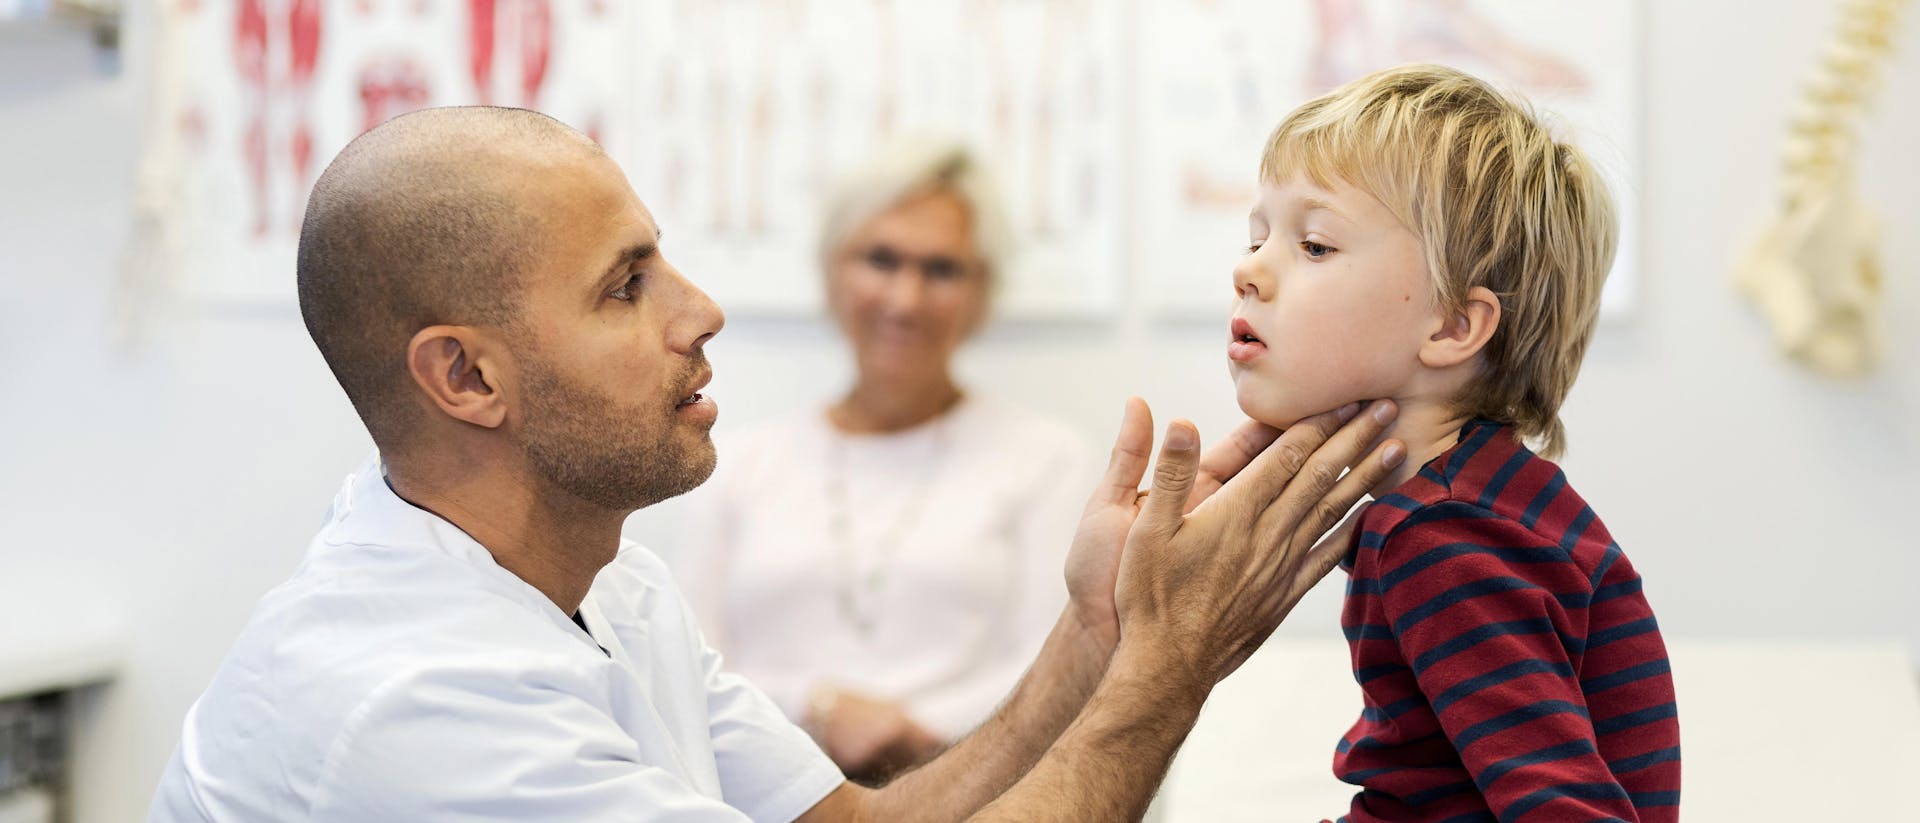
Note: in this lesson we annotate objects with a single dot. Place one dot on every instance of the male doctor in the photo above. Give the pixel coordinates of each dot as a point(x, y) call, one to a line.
point(468, 637)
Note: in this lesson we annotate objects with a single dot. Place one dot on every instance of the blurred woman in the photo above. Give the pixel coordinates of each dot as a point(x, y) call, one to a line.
point(886, 566)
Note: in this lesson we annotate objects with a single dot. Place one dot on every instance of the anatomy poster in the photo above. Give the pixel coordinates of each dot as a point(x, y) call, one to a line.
point(1217, 75)
point(1124, 134)
point(252, 98)
point(748, 109)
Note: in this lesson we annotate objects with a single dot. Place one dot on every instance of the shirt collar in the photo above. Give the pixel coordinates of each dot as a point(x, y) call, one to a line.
point(367, 512)
point(1474, 425)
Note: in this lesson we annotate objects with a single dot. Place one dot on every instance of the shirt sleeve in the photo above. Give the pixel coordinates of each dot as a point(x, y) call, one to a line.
point(480, 742)
point(1510, 702)
point(768, 766)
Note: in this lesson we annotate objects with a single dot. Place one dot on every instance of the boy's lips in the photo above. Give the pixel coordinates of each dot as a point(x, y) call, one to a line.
point(1244, 346)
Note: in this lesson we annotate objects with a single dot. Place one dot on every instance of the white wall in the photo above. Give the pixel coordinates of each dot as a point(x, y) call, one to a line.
point(169, 483)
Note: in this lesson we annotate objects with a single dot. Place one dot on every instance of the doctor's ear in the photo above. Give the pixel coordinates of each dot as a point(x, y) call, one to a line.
point(1460, 334)
point(456, 368)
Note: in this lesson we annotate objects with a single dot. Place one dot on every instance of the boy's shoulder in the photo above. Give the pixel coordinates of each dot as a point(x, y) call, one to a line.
point(1489, 485)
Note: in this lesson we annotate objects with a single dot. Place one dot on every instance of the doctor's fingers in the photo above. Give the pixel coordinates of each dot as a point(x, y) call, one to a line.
point(1295, 573)
point(1314, 503)
point(1226, 458)
point(1132, 448)
point(1254, 491)
point(1299, 576)
point(1162, 512)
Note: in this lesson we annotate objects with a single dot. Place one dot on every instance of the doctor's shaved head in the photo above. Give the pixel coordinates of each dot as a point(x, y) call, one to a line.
point(432, 218)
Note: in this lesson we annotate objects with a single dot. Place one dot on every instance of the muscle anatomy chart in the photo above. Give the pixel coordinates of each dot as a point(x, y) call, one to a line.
point(1220, 74)
point(1124, 134)
point(250, 96)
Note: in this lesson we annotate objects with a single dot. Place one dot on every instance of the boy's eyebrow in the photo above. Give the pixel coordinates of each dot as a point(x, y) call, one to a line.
point(1313, 203)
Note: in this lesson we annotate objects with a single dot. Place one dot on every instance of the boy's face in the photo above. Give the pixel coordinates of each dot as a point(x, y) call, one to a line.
point(1333, 303)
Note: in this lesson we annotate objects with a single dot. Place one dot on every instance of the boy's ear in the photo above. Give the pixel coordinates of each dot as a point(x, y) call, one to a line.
point(1461, 334)
point(457, 368)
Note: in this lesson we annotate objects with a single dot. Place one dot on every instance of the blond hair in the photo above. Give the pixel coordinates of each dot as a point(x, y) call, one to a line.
point(910, 166)
point(1495, 200)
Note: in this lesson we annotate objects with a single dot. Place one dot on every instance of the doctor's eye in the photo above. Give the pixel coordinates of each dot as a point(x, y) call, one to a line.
point(626, 291)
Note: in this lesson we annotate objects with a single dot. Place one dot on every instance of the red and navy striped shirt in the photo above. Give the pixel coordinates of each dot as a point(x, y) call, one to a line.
point(1510, 665)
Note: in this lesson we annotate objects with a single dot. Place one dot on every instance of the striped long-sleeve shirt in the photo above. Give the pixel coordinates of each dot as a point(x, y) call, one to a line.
point(1510, 664)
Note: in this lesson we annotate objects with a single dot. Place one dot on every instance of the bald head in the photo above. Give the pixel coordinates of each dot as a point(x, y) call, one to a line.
point(431, 218)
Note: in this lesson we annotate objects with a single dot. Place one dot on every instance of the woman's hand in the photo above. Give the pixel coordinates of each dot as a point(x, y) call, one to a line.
point(870, 738)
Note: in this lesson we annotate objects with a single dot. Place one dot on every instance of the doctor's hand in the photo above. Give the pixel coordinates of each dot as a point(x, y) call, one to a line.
point(1201, 586)
point(1093, 563)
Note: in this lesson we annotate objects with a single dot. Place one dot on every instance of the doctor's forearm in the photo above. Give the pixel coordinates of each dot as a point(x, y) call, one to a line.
point(991, 760)
point(1111, 760)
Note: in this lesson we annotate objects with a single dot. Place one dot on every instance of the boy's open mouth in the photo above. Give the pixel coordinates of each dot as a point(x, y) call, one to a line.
point(1243, 331)
point(1242, 344)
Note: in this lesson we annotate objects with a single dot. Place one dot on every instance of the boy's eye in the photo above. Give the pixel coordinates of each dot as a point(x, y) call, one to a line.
point(1252, 247)
point(1315, 250)
point(625, 292)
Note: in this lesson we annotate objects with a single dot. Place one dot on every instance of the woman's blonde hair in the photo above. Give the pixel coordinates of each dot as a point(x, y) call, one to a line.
point(1495, 200)
point(908, 167)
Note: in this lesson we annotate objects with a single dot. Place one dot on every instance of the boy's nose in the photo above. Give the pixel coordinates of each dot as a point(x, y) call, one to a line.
point(1252, 281)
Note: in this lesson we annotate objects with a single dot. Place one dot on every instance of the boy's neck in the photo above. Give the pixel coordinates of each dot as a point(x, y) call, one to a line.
point(1429, 427)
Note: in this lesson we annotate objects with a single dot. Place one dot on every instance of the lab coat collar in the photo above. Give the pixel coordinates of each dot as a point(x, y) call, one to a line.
point(367, 512)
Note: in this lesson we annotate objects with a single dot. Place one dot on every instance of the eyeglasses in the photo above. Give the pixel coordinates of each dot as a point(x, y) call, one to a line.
point(888, 260)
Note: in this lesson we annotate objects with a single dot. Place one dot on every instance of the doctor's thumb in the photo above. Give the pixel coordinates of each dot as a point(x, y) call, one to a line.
point(1173, 475)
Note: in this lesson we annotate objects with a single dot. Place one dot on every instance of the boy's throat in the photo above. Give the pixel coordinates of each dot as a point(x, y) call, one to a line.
point(1428, 430)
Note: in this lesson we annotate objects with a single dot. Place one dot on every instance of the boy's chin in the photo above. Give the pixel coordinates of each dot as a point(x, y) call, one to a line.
point(1277, 412)
point(1270, 411)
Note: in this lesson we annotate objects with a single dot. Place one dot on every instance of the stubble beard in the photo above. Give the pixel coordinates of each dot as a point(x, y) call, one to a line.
point(608, 453)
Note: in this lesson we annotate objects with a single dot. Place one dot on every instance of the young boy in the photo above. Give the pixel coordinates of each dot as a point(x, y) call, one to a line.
point(1422, 237)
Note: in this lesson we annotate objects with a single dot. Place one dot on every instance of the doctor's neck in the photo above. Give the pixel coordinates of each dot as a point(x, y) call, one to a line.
point(553, 542)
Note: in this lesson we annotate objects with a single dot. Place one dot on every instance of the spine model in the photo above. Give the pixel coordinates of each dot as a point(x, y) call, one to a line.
point(1815, 273)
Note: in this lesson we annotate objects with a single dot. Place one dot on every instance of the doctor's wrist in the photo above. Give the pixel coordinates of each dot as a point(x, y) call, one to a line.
point(1086, 645)
point(1096, 630)
point(1178, 676)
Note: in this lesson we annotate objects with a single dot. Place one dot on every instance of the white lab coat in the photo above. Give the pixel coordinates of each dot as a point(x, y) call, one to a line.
point(403, 675)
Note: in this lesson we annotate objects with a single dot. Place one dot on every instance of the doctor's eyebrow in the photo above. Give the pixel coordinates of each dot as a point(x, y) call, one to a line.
point(631, 255)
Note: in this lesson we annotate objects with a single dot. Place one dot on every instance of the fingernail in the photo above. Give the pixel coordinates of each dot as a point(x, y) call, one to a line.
point(1383, 411)
point(1180, 438)
point(1348, 411)
point(1393, 454)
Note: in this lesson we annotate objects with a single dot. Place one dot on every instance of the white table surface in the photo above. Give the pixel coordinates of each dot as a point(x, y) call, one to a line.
point(1769, 731)
point(36, 660)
